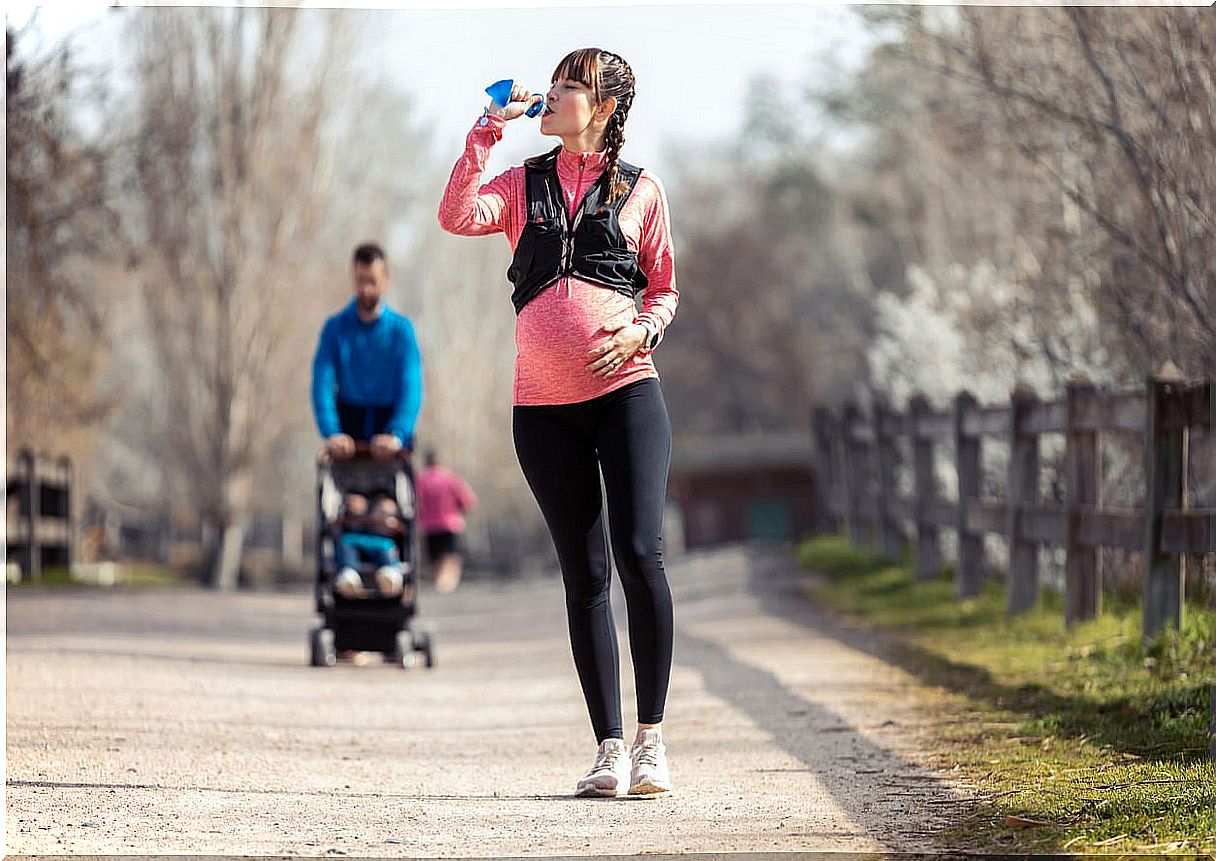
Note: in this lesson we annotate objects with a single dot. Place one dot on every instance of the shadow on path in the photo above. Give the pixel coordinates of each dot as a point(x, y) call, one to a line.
point(893, 800)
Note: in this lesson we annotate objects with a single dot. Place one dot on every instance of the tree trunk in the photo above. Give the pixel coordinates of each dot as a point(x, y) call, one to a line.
point(233, 523)
point(227, 565)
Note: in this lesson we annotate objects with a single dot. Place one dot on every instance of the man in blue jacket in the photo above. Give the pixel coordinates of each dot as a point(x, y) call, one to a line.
point(367, 373)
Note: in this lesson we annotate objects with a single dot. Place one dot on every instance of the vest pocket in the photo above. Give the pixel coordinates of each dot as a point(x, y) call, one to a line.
point(617, 267)
point(521, 262)
point(602, 227)
point(539, 240)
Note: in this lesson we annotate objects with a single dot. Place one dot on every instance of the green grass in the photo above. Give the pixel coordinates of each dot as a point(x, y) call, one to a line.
point(146, 574)
point(135, 574)
point(1098, 736)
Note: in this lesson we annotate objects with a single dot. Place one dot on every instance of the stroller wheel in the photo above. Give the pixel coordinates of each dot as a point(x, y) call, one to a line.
point(405, 649)
point(321, 648)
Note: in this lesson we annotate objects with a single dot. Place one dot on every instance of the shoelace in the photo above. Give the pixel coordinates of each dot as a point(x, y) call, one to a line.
point(647, 755)
point(606, 760)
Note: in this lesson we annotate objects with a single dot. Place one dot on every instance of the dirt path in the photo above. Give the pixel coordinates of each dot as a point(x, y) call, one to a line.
point(186, 721)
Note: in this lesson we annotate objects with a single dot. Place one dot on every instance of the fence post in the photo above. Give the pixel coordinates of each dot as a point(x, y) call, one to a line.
point(32, 496)
point(841, 485)
point(886, 458)
point(1022, 587)
point(1163, 472)
point(111, 541)
point(69, 514)
point(928, 549)
point(970, 576)
point(855, 477)
point(1212, 700)
point(164, 536)
point(1083, 578)
point(827, 490)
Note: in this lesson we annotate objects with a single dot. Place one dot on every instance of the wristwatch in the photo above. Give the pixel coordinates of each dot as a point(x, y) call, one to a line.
point(489, 111)
point(652, 336)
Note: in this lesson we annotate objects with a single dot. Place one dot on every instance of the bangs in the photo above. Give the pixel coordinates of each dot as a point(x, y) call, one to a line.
point(582, 66)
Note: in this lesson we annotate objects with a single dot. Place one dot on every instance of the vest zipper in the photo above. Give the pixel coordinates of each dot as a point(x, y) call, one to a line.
point(571, 225)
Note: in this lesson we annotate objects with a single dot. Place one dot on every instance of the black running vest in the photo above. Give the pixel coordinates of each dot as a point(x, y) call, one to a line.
point(593, 247)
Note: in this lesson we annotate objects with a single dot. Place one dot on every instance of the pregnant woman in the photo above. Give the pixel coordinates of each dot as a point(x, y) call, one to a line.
point(589, 232)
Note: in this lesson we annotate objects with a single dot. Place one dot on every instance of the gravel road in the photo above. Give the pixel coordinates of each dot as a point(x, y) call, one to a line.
point(182, 721)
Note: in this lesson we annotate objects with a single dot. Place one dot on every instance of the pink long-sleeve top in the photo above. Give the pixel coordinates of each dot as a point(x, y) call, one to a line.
point(556, 330)
point(443, 499)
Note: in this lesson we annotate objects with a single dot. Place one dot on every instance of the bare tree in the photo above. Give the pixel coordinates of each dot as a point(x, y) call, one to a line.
point(232, 172)
point(60, 231)
point(1071, 150)
point(1133, 97)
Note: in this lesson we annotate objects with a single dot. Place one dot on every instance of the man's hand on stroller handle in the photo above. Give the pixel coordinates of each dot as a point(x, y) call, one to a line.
point(382, 447)
point(385, 445)
point(340, 446)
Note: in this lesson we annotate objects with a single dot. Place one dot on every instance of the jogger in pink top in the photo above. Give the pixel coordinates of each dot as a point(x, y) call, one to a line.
point(590, 233)
point(443, 501)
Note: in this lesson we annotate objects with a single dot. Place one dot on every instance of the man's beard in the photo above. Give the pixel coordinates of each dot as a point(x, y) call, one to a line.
point(368, 305)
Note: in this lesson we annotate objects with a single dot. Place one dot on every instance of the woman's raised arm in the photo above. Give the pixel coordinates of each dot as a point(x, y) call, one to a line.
point(469, 208)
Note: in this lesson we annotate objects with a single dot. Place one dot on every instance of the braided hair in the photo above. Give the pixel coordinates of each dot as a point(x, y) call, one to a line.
point(607, 74)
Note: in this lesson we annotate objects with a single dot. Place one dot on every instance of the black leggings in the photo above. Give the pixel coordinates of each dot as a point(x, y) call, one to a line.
point(562, 448)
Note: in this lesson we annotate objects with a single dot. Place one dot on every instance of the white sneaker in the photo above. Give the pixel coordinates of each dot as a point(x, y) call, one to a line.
point(610, 774)
point(348, 583)
point(389, 580)
point(649, 757)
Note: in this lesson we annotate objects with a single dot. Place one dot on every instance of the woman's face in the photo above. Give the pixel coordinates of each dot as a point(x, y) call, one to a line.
point(569, 108)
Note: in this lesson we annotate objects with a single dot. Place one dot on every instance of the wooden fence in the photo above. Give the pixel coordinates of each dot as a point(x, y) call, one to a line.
point(275, 545)
point(858, 457)
point(38, 512)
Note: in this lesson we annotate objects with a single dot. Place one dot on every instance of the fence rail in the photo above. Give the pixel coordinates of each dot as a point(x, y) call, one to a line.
point(859, 456)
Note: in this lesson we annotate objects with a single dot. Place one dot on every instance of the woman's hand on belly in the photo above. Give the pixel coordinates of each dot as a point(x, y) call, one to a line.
point(624, 340)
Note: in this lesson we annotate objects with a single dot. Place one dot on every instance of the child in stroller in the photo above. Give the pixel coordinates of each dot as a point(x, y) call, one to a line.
point(371, 537)
point(366, 534)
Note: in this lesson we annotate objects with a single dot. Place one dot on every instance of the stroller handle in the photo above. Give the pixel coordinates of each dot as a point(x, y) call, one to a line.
point(363, 451)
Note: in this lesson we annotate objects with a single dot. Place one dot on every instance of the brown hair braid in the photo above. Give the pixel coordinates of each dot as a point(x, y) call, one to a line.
point(607, 74)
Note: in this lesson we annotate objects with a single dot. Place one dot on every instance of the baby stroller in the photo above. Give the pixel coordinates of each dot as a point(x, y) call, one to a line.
point(374, 622)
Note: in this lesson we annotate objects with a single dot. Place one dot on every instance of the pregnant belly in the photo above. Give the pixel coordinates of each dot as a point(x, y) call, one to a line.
point(559, 327)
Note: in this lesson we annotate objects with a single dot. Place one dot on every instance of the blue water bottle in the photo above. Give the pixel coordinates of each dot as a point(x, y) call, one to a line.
point(500, 92)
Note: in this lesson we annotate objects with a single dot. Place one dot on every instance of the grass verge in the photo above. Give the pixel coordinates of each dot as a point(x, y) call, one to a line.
point(1077, 739)
point(132, 574)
